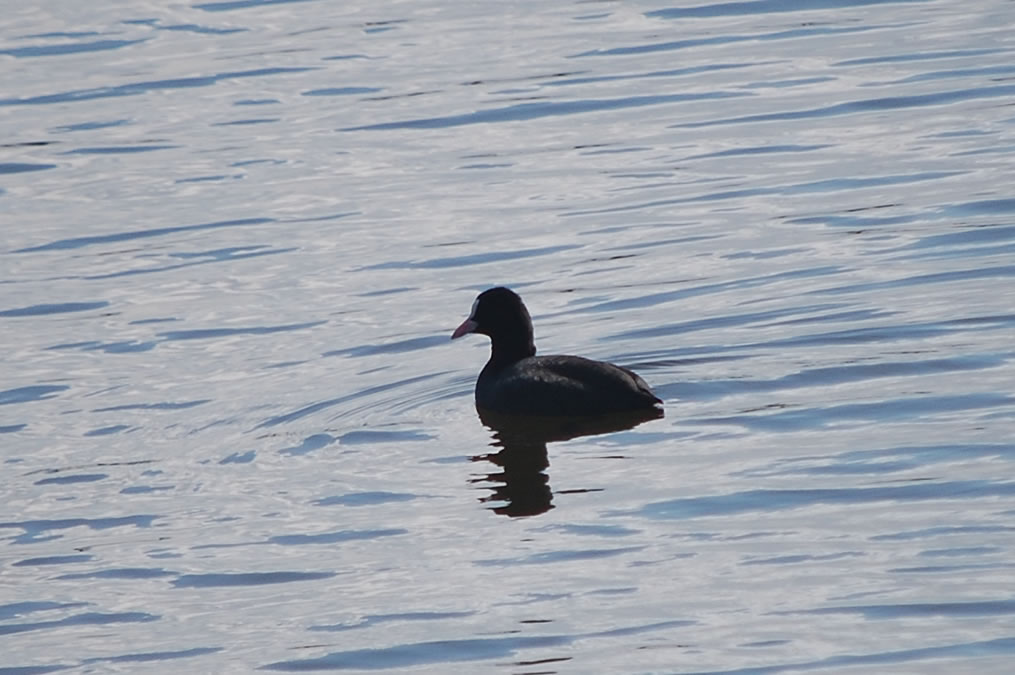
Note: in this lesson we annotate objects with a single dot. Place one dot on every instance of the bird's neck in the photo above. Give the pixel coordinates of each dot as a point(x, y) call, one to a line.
point(510, 349)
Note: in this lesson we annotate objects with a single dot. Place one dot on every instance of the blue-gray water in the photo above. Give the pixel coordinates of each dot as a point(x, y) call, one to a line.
point(237, 236)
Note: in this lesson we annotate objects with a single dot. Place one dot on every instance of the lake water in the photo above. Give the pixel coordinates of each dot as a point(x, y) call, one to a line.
point(237, 236)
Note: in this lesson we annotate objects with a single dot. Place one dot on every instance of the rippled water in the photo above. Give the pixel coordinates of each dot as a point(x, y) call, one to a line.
point(237, 236)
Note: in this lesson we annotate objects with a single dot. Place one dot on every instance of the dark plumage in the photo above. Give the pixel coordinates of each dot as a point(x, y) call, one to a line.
point(515, 381)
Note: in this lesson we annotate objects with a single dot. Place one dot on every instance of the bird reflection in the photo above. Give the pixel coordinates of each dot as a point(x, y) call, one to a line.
point(521, 484)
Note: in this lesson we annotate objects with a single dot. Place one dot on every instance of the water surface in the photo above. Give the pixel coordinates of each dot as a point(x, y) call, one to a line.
point(237, 238)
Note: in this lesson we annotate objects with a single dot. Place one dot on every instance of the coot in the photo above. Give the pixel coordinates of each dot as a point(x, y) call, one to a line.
point(517, 382)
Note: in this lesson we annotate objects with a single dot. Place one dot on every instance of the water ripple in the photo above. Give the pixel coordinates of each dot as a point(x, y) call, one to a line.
point(718, 40)
point(532, 111)
point(246, 579)
point(38, 392)
point(453, 651)
point(54, 308)
point(83, 619)
point(817, 417)
point(332, 537)
point(63, 49)
point(950, 651)
point(865, 106)
point(210, 333)
point(776, 500)
point(764, 7)
point(79, 242)
point(138, 88)
point(832, 375)
point(32, 529)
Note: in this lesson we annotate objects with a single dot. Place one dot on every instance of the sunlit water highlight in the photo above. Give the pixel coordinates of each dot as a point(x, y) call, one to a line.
point(237, 236)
